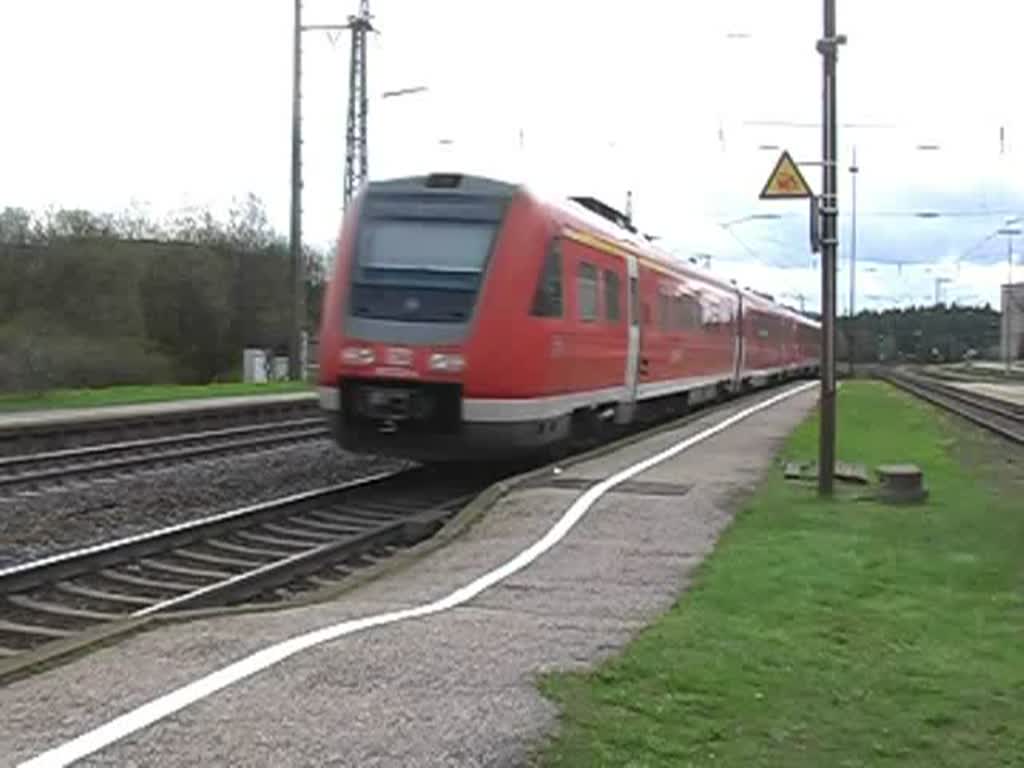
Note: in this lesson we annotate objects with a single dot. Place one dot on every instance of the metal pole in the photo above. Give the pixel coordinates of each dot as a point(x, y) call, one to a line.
point(853, 257)
point(298, 309)
point(827, 47)
point(1008, 312)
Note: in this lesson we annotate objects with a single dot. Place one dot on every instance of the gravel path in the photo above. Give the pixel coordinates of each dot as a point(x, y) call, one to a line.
point(62, 517)
point(453, 689)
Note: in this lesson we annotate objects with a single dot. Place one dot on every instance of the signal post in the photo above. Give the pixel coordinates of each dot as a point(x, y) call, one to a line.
point(786, 182)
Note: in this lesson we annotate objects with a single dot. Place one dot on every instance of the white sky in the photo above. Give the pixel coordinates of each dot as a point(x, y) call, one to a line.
point(181, 102)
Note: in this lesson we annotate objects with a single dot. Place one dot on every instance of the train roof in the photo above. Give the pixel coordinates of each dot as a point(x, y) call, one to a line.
point(590, 212)
point(615, 225)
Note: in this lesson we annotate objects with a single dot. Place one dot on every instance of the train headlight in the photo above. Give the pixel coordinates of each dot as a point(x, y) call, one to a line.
point(447, 363)
point(357, 356)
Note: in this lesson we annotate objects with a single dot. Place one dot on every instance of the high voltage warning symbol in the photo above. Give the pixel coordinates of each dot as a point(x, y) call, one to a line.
point(786, 181)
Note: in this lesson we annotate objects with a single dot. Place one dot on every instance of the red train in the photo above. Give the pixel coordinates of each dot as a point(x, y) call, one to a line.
point(471, 318)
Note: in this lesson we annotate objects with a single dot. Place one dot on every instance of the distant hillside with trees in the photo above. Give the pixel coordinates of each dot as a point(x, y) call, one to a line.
point(939, 333)
point(92, 299)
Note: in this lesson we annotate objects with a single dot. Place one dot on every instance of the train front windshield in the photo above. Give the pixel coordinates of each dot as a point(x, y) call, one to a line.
point(426, 253)
point(420, 269)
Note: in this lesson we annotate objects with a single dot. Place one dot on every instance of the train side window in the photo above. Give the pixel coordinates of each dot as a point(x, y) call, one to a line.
point(612, 309)
point(547, 300)
point(586, 291)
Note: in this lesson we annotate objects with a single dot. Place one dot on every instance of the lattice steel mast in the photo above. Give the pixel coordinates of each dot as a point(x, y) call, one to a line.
point(356, 158)
point(356, 169)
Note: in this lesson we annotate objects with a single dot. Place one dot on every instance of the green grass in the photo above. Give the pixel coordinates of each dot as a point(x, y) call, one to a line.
point(833, 634)
point(91, 398)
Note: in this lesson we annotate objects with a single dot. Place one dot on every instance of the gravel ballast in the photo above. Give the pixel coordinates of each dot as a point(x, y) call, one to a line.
point(78, 513)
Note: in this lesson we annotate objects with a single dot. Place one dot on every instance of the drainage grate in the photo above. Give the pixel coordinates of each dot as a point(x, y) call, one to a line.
point(634, 487)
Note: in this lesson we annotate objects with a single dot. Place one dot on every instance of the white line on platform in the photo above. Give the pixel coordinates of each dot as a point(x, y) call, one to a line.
point(169, 703)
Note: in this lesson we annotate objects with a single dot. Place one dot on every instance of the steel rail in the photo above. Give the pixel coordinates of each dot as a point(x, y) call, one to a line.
point(38, 467)
point(227, 558)
point(996, 416)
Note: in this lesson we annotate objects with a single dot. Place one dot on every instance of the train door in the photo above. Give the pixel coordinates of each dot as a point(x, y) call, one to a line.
point(627, 405)
point(739, 346)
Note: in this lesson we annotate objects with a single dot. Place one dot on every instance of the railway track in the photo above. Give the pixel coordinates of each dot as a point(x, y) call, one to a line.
point(34, 469)
point(250, 554)
point(259, 553)
point(998, 416)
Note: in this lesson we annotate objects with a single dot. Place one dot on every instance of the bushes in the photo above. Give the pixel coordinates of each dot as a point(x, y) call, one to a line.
point(85, 301)
point(33, 362)
point(98, 312)
point(80, 362)
point(23, 364)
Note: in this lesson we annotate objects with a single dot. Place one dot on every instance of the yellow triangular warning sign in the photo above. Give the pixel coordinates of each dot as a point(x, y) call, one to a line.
point(786, 181)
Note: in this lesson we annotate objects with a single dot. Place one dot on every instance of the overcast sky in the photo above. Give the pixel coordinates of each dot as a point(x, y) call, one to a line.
point(180, 102)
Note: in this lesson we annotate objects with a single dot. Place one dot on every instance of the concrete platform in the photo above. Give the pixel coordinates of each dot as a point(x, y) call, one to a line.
point(1011, 393)
point(453, 688)
point(1016, 366)
point(61, 416)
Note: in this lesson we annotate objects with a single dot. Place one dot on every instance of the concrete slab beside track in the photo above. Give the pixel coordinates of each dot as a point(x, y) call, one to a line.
point(452, 688)
point(25, 432)
point(1011, 393)
point(59, 416)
